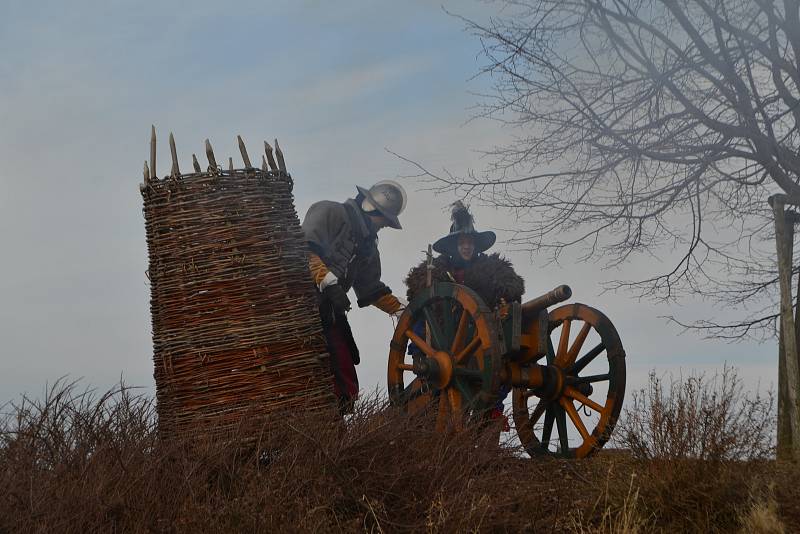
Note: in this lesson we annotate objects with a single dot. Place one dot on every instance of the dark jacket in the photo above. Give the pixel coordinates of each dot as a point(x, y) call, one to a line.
point(491, 276)
point(341, 235)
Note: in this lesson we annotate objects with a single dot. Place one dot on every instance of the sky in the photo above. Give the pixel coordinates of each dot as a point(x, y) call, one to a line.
point(338, 85)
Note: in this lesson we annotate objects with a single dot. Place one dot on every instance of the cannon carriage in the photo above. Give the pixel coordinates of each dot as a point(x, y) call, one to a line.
point(564, 369)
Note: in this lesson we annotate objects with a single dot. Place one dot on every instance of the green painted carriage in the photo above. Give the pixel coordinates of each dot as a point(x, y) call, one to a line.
point(563, 369)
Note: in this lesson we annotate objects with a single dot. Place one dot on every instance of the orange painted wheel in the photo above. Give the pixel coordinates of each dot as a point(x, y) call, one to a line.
point(455, 366)
point(575, 414)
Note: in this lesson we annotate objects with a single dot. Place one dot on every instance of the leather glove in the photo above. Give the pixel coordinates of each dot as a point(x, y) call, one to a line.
point(337, 297)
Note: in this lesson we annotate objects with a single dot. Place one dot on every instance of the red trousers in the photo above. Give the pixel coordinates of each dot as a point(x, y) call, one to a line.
point(345, 379)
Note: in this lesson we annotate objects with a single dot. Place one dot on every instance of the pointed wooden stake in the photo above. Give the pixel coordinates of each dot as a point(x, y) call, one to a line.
point(230, 164)
point(279, 155)
point(270, 159)
point(196, 164)
point(176, 172)
point(153, 152)
point(243, 150)
point(146, 173)
point(264, 164)
point(212, 162)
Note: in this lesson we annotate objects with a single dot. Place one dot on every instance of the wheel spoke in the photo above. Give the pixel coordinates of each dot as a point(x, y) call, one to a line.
point(547, 429)
point(417, 402)
point(590, 379)
point(415, 389)
point(563, 342)
point(577, 345)
point(448, 322)
point(405, 367)
point(551, 353)
point(587, 358)
point(461, 332)
point(583, 399)
point(454, 398)
point(420, 343)
point(464, 388)
point(433, 328)
point(469, 349)
point(469, 374)
point(561, 424)
point(540, 408)
point(573, 415)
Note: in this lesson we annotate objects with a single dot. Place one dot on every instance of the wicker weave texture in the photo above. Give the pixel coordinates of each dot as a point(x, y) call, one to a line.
point(236, 331)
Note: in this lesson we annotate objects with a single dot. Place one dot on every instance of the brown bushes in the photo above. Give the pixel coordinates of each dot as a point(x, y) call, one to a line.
point(706, 418)
point(81, 462)
point(699, 451)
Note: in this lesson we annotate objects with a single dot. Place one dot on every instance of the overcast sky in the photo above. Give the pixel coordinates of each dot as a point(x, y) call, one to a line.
point(81, 83)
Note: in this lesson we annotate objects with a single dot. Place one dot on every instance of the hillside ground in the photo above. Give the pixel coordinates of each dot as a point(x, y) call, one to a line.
point(78, 462)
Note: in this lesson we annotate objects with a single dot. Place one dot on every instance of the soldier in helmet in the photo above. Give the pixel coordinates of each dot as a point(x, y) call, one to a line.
point(343, 243)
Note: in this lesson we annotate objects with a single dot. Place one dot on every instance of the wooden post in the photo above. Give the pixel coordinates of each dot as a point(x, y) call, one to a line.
point(212, 162)
point(153, 174)
point(243, 151)
point(784, 446)
point(428, 283)
point(270, 159)
point(788, 356)
point(279, 157)
point(176, 171)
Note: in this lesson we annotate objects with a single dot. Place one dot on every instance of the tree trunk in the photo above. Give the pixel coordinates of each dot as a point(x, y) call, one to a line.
point(788, 409)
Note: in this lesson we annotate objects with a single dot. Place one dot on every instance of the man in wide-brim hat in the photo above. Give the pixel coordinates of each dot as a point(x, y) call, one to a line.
point(462, 260)
point(343, 242)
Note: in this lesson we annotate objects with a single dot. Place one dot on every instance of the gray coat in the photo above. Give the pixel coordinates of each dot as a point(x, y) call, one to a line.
point(341, 235)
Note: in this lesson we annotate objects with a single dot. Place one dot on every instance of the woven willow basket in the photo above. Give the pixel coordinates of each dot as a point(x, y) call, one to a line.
point(236, 332)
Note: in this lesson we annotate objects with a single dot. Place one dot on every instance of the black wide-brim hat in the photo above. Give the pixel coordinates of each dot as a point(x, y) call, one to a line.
point(449, 243)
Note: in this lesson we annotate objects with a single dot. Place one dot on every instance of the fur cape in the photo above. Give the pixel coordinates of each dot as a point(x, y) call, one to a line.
point(491, 276)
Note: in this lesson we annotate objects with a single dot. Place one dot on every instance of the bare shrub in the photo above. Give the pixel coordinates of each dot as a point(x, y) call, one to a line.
point(703, 418)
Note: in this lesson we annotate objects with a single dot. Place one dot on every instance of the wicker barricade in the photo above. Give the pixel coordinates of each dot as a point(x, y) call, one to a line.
point(236, 333)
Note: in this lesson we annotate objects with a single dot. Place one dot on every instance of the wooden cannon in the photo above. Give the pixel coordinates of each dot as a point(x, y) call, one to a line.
point(465, 356)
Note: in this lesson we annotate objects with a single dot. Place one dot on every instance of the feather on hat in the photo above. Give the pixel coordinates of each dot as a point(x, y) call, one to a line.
point(463, 223)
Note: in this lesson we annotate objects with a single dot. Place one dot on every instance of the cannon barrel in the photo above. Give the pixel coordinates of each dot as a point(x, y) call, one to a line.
point(559, 294)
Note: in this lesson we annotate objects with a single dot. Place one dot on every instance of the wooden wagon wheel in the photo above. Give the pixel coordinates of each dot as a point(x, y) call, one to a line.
point(456, 360)
point(584, 395)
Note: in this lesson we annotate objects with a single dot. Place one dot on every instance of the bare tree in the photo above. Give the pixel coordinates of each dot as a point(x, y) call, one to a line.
point(647, 127)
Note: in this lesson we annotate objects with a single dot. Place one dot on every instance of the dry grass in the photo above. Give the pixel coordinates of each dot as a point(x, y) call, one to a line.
point(80, 462)
point(628, 519)
point(762, 517)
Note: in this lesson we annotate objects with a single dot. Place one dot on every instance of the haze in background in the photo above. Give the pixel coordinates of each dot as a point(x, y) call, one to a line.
point(81, 83)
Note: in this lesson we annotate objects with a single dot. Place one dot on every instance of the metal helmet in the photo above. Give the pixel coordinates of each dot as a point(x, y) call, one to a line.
point(387, 197)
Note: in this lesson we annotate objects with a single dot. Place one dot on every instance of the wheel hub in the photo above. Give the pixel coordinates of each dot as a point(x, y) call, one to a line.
point(553, 385)
point(437, 370)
